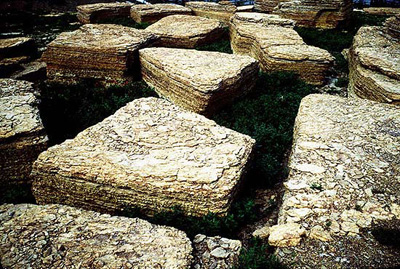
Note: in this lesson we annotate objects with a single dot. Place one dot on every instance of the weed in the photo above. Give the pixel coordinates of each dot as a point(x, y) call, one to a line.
point(126, 22)
point(316, 186)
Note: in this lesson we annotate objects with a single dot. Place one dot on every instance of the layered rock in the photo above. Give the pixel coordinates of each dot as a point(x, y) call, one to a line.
point(14, 52)
point(152, 13)
point(150, 155)
point(215, 252)
point(393, 26)
point(343, 182)
point(57, 236)
point(22, 135)
point(278, 47)
point(32, 71)
point(382, 11)
point(222, 11)
point(94, 13)
point(183, 31)
point(104, 52)
point(374, 63)
point(200, 81)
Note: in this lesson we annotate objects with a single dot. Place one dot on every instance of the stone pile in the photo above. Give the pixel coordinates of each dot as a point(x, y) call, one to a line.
point(22, 135)
point(183, 31)
point(150, 155)
point(222, 11)
point(200, 81)
point(105, 52)
point(277, 46)
point(95, 13)
point(14, 52)
point(152, 13)
point(343, 184)
point(374, 63)
point(57, 236)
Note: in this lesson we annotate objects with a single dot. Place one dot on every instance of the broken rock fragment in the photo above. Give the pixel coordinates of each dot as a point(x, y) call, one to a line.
point(152, 13)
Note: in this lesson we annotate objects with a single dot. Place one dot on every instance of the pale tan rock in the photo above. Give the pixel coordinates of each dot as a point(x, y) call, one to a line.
point(200, 81)
point(57, 236)
point(94, 13)
point(22, 135)
point(318, 233)
point(221, 11)
point(152, 13)
point(286, 235)
point(184, 31)
point(104, 52)
point(374, 63)
point(273, 41)
point(151, 155)
point(262, 233)
point(382, 11)
point(245, 8)
point(393, 26)
point(17, 46)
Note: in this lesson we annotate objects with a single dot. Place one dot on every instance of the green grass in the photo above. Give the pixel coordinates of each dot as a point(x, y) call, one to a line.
point(129, 22)
point(221, 45)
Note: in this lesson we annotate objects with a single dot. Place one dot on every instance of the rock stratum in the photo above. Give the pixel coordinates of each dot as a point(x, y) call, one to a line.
point(22, 135)
point(374, 63)
point(94, 13)
point(222, 11)
point(342, 195)
point(152, 13)
point(58, 236)
point(149, 155)
point(200, 81)
point(272, 40)
point(104, 52)
point(184, 31)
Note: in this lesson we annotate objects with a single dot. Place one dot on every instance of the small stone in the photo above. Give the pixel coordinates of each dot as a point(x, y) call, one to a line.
point(262, 232)
point(318, 233)
point(286, 235)
point(219, 253)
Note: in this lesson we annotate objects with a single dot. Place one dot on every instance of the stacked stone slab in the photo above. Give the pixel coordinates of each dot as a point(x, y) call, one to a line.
point(343, 185)
point(22, 135)
point(374, 63)
point(152, 13)
point(150, 155)
point(183, 31)
point(94, 13)
point(278, 47)
point(58, 236)
point(222, 11)
point(14, 52)
point(200, 81)
point(382, 11)
point(103, 52)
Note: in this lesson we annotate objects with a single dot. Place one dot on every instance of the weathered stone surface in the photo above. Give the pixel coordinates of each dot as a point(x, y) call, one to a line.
point(94, 13)
point(17, 46)
point(222, 11)
point(22, 135)
point(286, 235)
point(150, 154)
point(10, 65)
point(382, 11)
point(374, 63)
point(344, 176)
point(246, 8)
point(273, 41)
point(104, 52)
point(200, 81)
point(184, 31)
point(58, 236)
point(215, 252)
point(393, 26)
point(153, 13)
point(32, 71)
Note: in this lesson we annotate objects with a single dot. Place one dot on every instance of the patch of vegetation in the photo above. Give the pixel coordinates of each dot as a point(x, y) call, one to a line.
point(316, 186)
point(129, 22)
point(16, 194)
point(222, 45)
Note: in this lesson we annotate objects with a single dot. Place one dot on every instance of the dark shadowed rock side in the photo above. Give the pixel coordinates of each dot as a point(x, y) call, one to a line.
point(150, 155)
point(341, 206)
point(94, 13)
point(22, 135)
point(152, 13)
point(57, 236)
point(221, 11)
point(14, 52)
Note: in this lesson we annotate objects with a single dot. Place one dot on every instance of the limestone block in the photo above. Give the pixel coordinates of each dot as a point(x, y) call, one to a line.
point(17, 46)
point(285, 235)
point(382, 11)
point(222, 11)
point(152, 13)
point(94, 13)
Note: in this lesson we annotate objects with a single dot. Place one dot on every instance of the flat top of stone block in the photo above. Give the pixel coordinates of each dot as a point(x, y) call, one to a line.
point(151, 142)
point(212, 6)
point(156, 8)
point(263, 19)
point(58, 236)
point(301, 52)
point(184, 26)
point(101, 6)
point(18, 109)
point(204, 69)
point(13, 42)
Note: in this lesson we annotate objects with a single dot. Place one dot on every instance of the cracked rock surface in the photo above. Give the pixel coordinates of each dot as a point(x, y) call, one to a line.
point(152, 13)
point(57, 236)
point(150, 155)
point(200, 81)
point(222, 11)
point(344, 181)
point(278, 47)
point(22, 135)
point(93, 13)
point(184, 31)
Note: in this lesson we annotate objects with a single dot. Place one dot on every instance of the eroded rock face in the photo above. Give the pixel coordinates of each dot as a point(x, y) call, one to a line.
point(94, 13)
point(152, 13)
point(344, 176)
point(200, 81)
point(374, 63)
point(17, 46)
point(104, 52)
point(22, 135)
point(382, 11)
point(58, 236)
point(151, 155)
point(215, 252)
point(183, 31)
point(278, 47)
point(393, 26)
point(222, 11)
